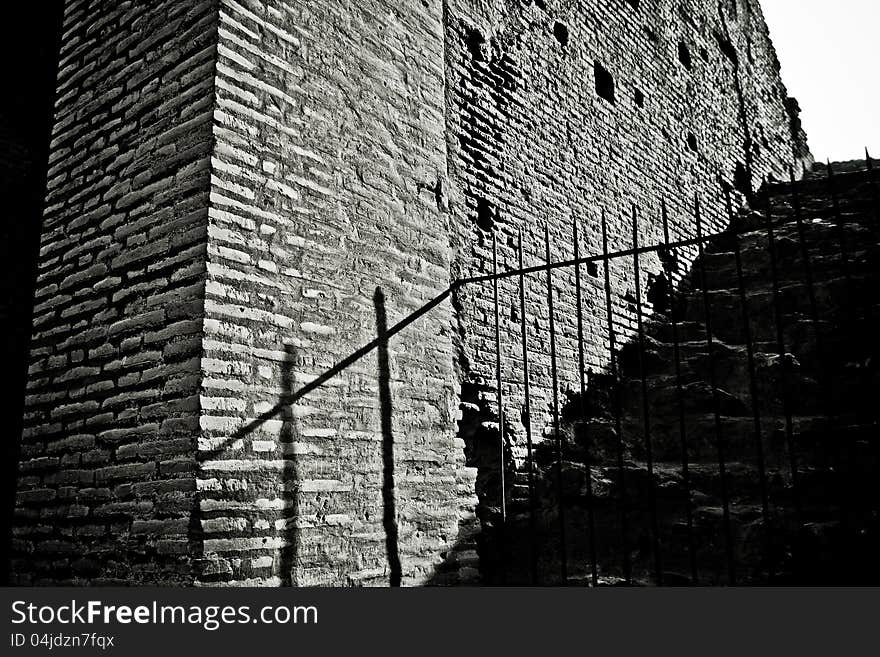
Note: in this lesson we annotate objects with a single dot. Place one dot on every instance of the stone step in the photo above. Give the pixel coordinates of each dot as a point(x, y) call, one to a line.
point(822, 491)
point(721, 271)
point(806, 381)
point(858, 201)
point(837, 301)
point(817, 190)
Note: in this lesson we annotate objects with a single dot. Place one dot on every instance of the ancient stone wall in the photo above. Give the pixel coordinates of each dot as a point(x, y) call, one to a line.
point(106, 477)
point(244, 192)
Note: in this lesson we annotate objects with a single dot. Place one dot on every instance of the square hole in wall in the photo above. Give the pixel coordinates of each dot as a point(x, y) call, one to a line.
point(684, 55)
point(560, 31)
point(604, 83)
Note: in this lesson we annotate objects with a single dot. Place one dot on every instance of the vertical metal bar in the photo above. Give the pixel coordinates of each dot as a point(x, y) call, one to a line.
point(719, 439)
point(845, 263)
point(872, 181)
point(808, 269)
point(591, 519)
point(841, 232)
point(500, 400)
point(676, 354)
point(753, 384)
point(646, 411)
point(621, 472)
point(528, 415)
point(786, 375)
point(563, 555)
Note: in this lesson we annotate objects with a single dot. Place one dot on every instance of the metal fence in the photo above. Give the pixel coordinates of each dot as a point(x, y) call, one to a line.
point(666, 251)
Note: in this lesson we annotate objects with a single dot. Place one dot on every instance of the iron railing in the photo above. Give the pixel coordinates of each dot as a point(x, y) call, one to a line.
point(665, 250)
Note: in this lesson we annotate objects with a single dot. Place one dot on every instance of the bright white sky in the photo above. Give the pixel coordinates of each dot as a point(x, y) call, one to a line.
point(830, 58)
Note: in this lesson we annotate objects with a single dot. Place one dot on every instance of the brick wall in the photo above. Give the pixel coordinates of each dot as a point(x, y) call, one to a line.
point(330, 138)
point(106, 477)
point(231, 182)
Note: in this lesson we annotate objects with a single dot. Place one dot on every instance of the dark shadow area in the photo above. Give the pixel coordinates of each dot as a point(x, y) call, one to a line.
point(764, 439)
point(30, 35)
point(479, 429)
point(389, 510)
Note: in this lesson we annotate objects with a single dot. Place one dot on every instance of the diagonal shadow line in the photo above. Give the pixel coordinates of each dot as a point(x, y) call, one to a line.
point(290, 398)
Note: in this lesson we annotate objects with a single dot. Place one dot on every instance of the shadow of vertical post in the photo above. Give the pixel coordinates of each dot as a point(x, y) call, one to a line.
point(289, 475)
point(389, 517)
